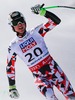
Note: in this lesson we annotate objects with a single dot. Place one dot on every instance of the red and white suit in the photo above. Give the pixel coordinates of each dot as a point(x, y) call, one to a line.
point(33, 51)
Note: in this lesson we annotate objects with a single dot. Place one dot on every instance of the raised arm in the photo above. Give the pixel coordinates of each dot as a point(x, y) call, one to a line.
point(53, 20)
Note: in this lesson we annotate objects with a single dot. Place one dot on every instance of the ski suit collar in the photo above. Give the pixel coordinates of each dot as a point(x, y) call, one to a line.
point(25, 36)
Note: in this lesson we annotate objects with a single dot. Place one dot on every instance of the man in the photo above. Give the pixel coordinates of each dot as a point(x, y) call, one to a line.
point(31, 48)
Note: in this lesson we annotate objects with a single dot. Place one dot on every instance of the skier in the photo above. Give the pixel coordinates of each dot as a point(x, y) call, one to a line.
point(31, 48)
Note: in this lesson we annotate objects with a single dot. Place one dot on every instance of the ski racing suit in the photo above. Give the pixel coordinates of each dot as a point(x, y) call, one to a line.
point(33, 51)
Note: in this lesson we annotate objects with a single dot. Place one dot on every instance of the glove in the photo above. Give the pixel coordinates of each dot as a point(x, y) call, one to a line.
point(38, 9)
point(13, 93)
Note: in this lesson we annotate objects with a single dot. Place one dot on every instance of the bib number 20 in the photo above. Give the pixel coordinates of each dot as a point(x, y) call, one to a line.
point(37, 52)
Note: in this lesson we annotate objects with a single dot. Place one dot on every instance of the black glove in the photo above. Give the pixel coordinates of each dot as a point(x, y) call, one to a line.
point(13, 92)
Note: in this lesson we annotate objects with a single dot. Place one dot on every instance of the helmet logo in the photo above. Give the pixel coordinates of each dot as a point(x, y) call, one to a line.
point(14, 14)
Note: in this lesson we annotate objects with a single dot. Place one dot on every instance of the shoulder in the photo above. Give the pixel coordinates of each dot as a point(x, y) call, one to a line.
point(11, 45)
point(37, 28)
point(13, 42)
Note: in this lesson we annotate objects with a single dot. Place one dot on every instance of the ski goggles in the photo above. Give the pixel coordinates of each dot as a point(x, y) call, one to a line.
point(15, 22)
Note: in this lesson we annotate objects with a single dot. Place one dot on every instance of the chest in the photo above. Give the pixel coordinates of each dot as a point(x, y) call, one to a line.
point(34, 42)
point(32, 49)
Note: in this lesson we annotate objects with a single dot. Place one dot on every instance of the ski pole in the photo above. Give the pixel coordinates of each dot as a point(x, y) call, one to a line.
point(58, 7)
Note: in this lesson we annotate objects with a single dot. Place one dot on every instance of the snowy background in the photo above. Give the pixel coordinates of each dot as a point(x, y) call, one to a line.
point(60, 42)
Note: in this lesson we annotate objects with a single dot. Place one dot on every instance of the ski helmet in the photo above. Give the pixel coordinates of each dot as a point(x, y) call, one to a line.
point(15, 17)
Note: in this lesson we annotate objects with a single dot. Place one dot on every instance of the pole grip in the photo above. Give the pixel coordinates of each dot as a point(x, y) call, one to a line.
point(42, 5)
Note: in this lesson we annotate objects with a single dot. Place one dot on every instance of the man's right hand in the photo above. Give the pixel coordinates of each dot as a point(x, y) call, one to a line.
point(13, 93)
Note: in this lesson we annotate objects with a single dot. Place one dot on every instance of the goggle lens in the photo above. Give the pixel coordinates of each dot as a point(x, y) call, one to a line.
point(15, 22)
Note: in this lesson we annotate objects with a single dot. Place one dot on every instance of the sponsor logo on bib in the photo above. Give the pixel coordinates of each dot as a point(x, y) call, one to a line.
point(28, 44)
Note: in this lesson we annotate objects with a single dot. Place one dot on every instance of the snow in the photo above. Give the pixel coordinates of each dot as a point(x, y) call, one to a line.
point(60, 42)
